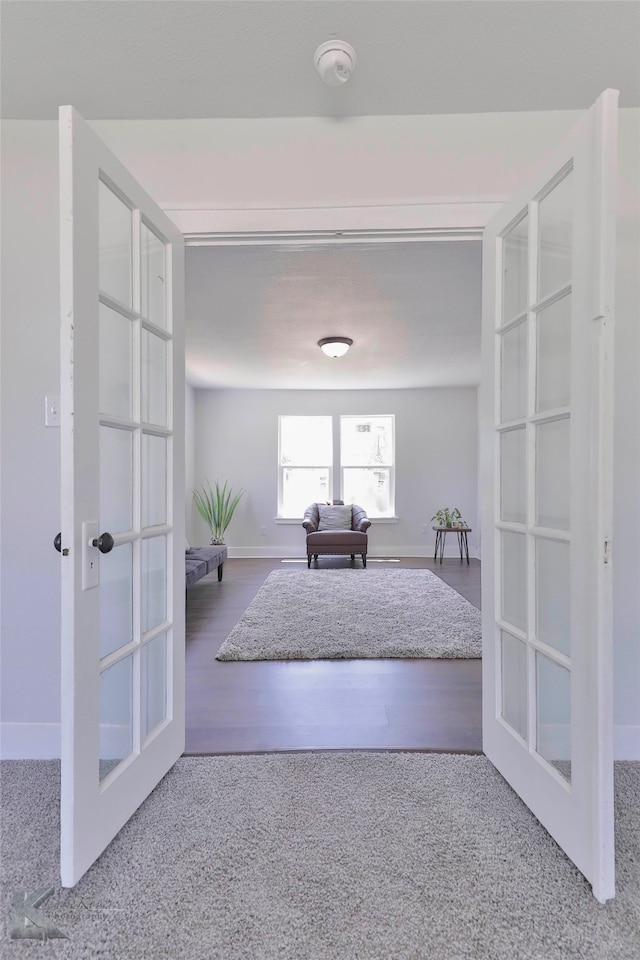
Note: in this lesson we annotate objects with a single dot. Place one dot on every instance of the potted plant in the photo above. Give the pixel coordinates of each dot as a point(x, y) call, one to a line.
point(216, 506)
point(448, 518)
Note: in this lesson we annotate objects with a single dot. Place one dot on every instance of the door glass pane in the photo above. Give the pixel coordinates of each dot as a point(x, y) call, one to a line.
point(514, 373)
point(513, 503)
point(302, 486)
point(154, 683)
point(116, 715)
point(114, 239)
point(515, 255)
point(514, 579)
point(555, 239)
point(368, 487)
point(154, 379)
point(116, 480)
point(553, 711)
point(154, 582)
point(552, 594)
point(116, 599)
point(154, 480)
point(552, 474)
point(514, 683)
point(116, 364)
point(153, 277)
point(553, 388)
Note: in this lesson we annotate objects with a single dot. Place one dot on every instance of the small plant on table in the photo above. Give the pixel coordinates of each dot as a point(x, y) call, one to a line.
point(448, 518)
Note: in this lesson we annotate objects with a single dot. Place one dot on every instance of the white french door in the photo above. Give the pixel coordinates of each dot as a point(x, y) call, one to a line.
point(547, 502)
point(122, 450)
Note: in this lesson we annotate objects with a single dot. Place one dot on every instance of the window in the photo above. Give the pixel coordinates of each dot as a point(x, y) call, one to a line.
point(364, 472)
point(306, 462)
point(366, 459)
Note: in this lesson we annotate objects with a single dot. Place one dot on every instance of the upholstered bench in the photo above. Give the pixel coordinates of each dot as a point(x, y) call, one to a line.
point(199, 561)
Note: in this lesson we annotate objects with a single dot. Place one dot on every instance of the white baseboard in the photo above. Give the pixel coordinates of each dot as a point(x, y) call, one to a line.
point(29, 741)
point(626, 741)
point(274, 553)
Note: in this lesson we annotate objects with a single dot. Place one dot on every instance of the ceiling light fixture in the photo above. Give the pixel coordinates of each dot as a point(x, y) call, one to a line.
point(335, 346)
point(335, 61)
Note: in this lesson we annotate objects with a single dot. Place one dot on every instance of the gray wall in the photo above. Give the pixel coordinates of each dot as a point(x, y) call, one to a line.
point(436, 461)
point(30, 601)
point(492, 152)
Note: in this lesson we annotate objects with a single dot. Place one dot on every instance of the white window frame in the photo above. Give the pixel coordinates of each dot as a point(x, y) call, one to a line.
point(336, 468)
point(329, 467)
point(390, 466)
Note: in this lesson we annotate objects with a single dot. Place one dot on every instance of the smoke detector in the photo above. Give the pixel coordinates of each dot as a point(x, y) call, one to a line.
point(335, 61)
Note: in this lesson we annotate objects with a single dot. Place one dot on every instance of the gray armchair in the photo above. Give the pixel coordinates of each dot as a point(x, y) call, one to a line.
point(336, 529)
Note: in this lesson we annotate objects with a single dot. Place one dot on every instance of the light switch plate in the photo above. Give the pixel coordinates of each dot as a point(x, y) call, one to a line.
point(51, 411)
point(90, 556)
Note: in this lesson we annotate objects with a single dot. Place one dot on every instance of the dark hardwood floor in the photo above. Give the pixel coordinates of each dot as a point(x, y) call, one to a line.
point(267, 706)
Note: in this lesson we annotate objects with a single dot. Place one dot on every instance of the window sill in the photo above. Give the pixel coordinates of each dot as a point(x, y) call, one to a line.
point(300, 519)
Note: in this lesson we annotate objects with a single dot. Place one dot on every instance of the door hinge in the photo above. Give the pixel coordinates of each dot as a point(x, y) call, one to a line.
point(607, 550)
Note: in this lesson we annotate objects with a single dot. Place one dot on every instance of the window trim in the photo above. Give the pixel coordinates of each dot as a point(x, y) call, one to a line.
point(336, 468)
point(329, 467)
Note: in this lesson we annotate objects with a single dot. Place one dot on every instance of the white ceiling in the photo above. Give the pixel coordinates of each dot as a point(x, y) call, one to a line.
point(255, 314)
point(254, 58)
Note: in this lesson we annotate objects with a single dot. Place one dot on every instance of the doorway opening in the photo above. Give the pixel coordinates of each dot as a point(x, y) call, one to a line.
point(324, 704)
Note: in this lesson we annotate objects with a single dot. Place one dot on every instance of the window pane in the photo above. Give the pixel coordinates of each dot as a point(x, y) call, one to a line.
point(154, 582)
point(116, 480)
point(366, 441)
point(553, 710)
point(116, 599)
point(306, 442)
point(114, 244)
point(553, 623)
point(555, 239)
point(369, 487)
point(154, 379)
point(513, 395)
point(515, 270)
point(116, 364)
point(514, 579)
point(553, 474)
point(514, 682)
point(154, 683)
point(154, 480)
point(153, 287)
point(513, 504)
point(116, 715)
point(553, 385)
point(302, 486)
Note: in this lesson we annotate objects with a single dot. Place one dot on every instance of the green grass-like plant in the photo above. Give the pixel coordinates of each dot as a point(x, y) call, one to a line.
point(216, 506)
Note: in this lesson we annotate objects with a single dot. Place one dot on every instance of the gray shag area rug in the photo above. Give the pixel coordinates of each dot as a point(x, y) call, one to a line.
point(322, 856)
point(355, 614)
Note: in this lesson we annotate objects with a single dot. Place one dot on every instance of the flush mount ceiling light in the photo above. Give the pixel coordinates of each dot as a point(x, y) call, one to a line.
point(335, 346)
point(335, 61)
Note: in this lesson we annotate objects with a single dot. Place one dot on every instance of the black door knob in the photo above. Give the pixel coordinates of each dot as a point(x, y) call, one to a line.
point(57, 542)
point(104, 543)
